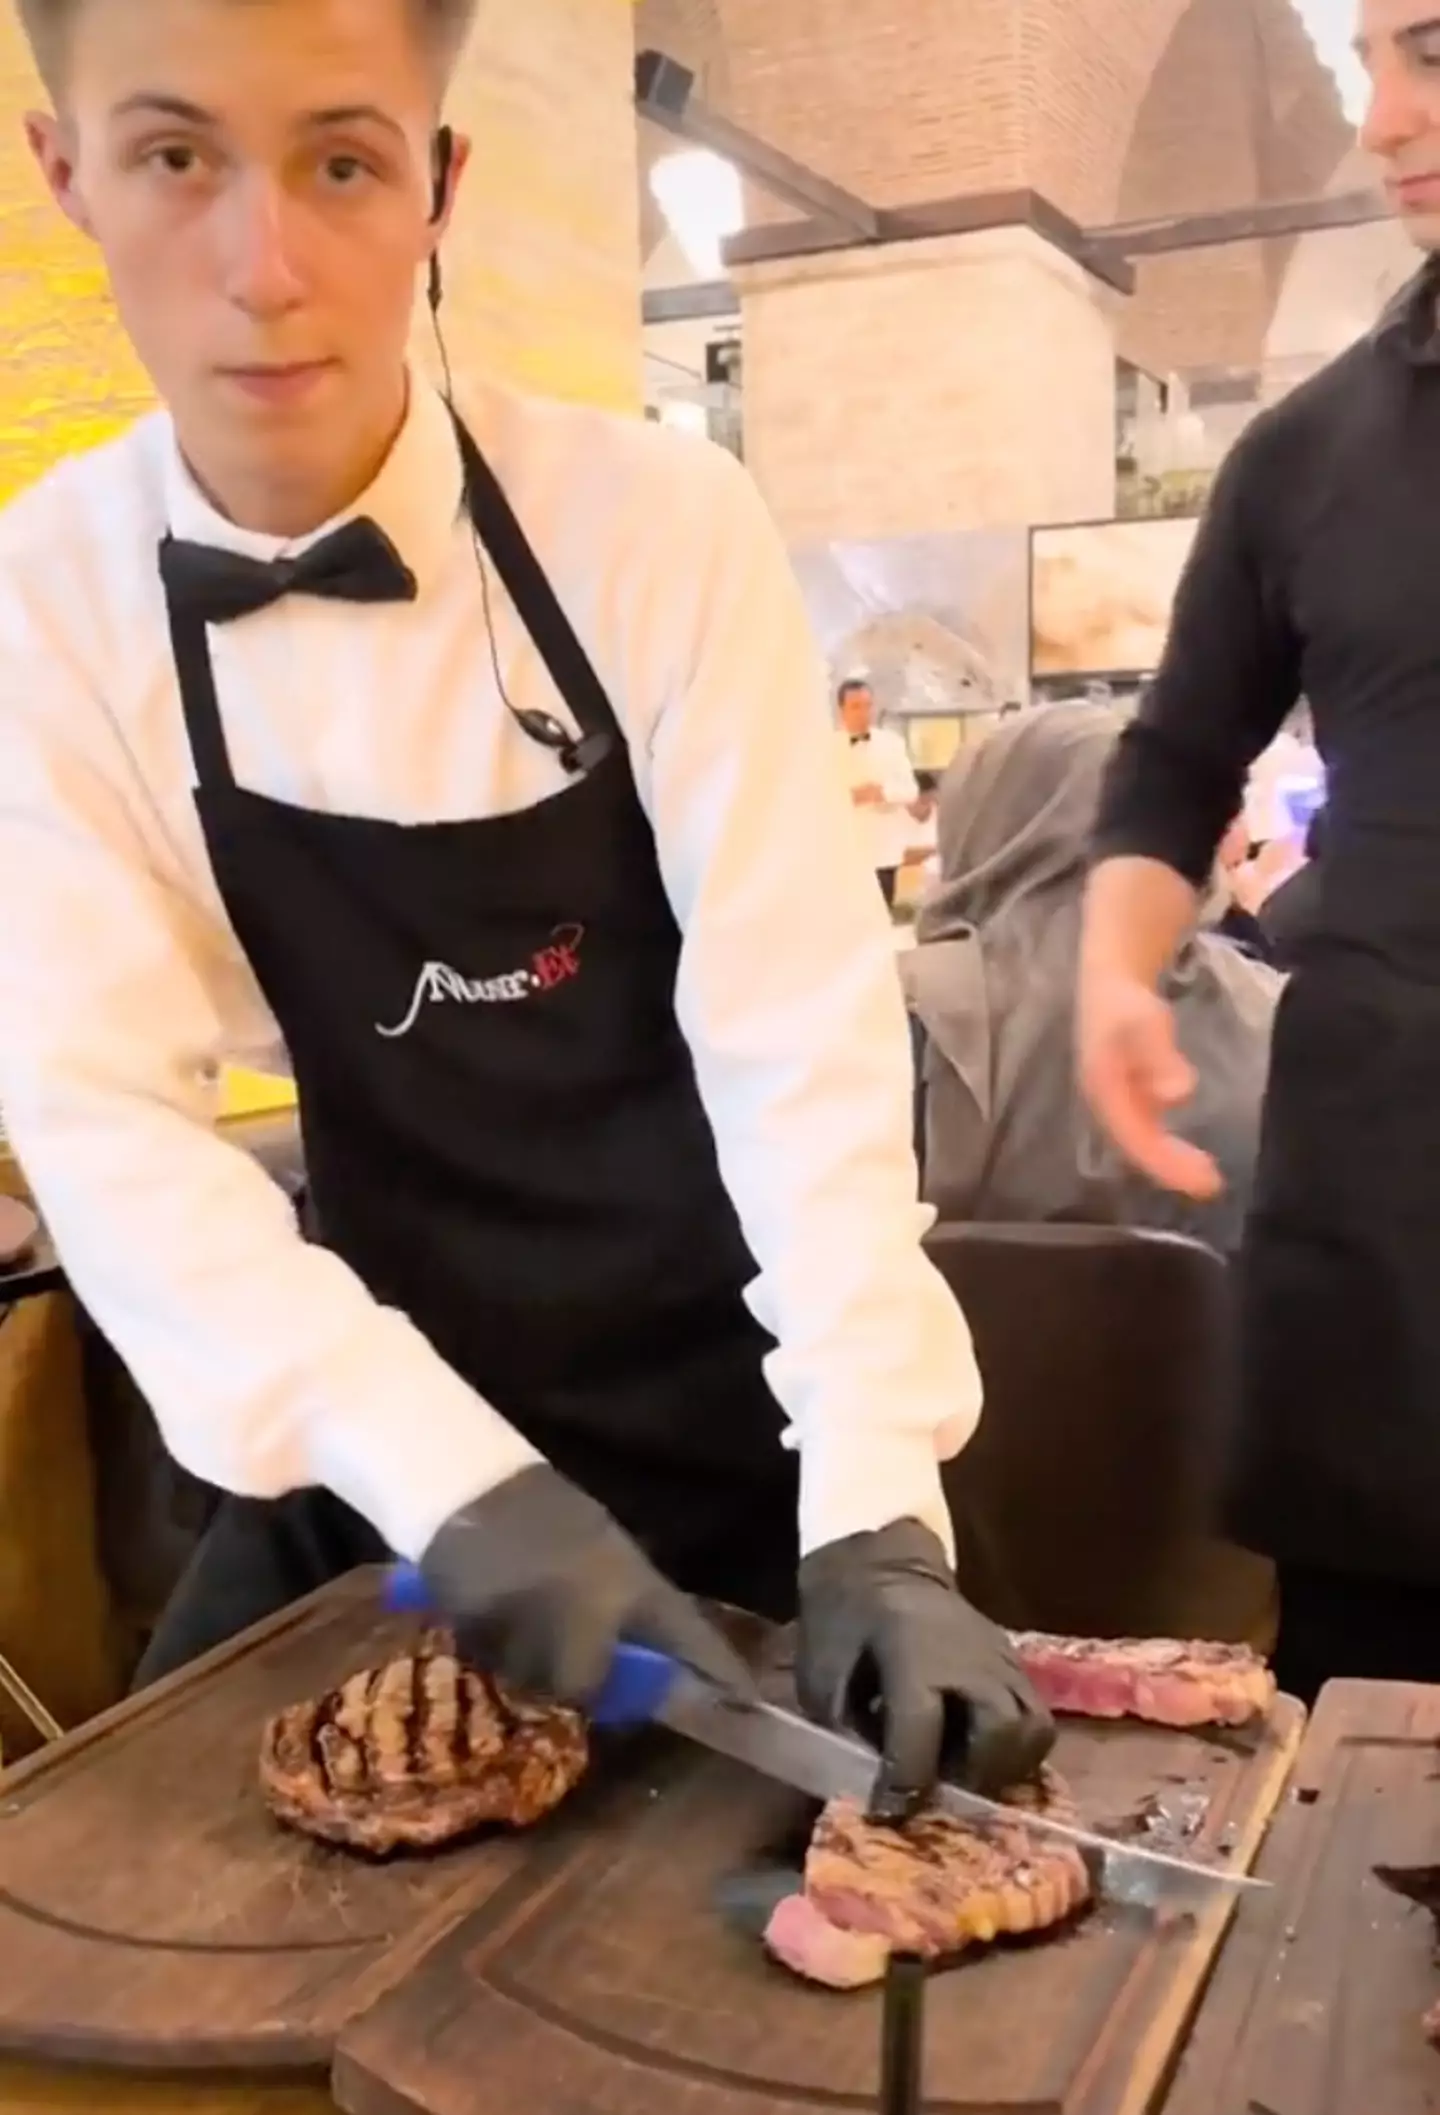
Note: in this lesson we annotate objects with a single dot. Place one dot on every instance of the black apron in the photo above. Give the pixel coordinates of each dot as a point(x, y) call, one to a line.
point(1338, 1439)
point(504, 1138)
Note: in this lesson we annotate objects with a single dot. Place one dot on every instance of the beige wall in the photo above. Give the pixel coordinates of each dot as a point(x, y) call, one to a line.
point(543, 264)
point(961, 383)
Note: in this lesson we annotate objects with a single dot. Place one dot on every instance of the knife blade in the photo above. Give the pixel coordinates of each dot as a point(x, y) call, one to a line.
point(829, 1765)
point(646, 1686)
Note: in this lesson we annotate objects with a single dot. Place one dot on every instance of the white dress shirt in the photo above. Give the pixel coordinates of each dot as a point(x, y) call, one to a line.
point(123, 988)
point(881, 759)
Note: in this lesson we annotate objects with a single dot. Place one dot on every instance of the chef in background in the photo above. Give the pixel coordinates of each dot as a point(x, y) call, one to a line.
point(882, 783)
point(922, 849)
point(451, 754)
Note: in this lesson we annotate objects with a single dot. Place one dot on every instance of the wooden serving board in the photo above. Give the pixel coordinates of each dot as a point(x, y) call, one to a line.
point(602, 1981)
point(1316, 2005)
point(151, 1912)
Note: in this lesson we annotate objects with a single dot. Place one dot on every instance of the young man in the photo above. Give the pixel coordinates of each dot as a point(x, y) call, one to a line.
point(882, 783)
point(1314, 571)
point(457, 762)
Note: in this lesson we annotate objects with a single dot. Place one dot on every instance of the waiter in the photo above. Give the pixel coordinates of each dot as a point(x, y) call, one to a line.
point(455, 764)
point(883, 787)
point(1316, 570)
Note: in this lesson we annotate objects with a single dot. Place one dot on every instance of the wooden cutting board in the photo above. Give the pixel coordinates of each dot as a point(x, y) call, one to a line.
point(152, 1914)
point(602, 1981)
point(1316, 2005)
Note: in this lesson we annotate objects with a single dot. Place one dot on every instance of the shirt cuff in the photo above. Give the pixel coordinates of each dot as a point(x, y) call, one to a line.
point(852, 1489)
point(408, 1465)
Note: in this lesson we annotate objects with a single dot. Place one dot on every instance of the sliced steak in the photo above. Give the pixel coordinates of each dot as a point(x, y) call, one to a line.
point(934, 1886)
point(1168, 1682)
point(416, 1754)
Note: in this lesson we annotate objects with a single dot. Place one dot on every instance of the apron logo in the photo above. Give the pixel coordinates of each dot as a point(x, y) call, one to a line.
point(549, 967)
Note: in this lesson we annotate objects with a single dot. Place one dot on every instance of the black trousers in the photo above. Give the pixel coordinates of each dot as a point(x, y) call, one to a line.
point(1334, 1627)
point(886, 878)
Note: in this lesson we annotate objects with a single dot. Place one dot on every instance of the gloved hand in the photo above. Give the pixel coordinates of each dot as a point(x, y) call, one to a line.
point(889, 1648)
point(541, 1585)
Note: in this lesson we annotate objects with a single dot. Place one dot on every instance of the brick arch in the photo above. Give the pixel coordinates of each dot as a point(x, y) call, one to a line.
point(910, 99)
point(1239, 111)
point(1090, 67)
point(913, 99)
point(1336, 282)
point(693, 32)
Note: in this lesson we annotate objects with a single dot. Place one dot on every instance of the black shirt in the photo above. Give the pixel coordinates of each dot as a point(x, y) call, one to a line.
point(1316, 571)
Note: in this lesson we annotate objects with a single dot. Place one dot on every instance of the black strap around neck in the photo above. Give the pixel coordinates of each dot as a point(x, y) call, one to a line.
point(501, 538)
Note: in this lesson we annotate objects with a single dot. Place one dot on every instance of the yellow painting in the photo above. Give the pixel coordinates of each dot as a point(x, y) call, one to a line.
point(69, 378)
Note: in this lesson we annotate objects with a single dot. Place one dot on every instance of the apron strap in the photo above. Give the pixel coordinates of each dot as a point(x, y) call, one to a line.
point(190, 645)
point(499, 535)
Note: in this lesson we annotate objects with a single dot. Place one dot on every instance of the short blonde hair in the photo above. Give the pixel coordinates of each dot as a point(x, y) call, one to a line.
point(46, 23)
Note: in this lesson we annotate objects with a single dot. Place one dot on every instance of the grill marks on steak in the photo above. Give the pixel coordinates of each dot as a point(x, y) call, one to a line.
point(416, 1754)
point(934, 1886)
point(1163, 1680)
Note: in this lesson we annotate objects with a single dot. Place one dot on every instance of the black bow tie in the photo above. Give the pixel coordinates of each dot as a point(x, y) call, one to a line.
point(354, 563)
point(858, 738)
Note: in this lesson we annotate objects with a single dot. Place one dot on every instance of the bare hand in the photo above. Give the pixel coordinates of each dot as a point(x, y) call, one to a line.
point(870, 796)
point(1133, 1073)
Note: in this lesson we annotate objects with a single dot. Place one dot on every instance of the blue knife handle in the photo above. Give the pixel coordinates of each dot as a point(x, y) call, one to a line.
point(633, 1691)
point(405, 1591)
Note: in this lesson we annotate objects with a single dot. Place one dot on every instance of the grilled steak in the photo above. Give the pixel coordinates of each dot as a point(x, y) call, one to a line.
point(1159, 1679)
point(934, 1886)
point(416, 1754)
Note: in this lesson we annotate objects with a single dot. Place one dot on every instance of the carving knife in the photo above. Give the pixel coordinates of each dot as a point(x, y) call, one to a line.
point(645, 1686)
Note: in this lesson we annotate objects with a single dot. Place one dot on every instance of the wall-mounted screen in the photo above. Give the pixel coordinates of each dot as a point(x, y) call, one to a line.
point(1100, 595)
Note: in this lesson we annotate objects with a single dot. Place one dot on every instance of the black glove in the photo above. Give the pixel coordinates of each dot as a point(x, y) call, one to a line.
point(541, 1585)
point(887, 1646)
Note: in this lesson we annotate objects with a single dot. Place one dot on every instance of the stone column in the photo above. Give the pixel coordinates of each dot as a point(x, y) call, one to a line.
point(543, 263)
point(961, 382)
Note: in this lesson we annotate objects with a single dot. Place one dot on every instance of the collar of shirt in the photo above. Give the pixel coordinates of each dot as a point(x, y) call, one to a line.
point(415, 497)
point(1410, 323)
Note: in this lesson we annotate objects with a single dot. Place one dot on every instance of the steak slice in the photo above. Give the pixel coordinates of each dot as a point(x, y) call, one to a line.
point(932, 1886)
point(417, 1754)
point(1168, 1682)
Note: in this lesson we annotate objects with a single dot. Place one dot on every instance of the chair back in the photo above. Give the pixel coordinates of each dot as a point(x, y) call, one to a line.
point(1087, 1500)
